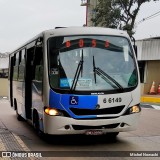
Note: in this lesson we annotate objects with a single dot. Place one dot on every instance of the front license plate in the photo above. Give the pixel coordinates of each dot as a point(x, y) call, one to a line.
point(94, 132)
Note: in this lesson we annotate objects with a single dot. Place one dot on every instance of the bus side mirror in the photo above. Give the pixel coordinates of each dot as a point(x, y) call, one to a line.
point(135, 49)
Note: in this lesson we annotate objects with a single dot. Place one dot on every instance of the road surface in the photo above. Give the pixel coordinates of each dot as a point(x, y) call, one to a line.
point(145, 138)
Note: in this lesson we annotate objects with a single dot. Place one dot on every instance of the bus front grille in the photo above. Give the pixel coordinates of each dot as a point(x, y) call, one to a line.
point(82, 127)
point(104, 111)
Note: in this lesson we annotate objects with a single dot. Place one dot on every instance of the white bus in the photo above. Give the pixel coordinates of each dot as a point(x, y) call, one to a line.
point(76, 80)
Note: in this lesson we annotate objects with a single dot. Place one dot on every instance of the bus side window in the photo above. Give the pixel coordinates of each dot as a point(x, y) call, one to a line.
point(21, 65)
point(15, 68)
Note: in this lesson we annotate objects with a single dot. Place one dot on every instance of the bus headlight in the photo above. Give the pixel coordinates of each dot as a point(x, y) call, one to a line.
point(52, 111)
point(135, 109)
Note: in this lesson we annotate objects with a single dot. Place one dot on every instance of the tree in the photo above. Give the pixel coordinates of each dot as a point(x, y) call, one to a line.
point(119, 14)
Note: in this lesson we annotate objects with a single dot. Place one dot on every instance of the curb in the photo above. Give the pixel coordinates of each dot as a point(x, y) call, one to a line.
point(147, 99)
point(21, 143)
point(9, 141)
point(12, 144)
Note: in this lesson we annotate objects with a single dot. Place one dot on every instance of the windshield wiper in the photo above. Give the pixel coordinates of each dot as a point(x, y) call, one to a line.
point(78, 70)
point(104, 75)
point(94, 70)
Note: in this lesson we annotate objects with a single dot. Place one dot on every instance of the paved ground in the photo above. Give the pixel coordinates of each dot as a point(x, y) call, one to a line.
point(150, 105)
point(20, 136)
point(9, 141)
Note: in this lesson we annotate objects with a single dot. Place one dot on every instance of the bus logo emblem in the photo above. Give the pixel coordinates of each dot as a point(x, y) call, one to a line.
point(73, 100)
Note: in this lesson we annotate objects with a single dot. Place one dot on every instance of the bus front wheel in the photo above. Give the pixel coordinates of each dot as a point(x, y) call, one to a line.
point(19, 117)
point(112, 135)
point(36, 125)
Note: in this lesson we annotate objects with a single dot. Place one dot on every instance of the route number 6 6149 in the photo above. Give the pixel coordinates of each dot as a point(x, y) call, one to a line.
point(112, 100)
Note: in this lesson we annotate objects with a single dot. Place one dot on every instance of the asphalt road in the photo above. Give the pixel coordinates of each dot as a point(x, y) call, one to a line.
point(145, 138)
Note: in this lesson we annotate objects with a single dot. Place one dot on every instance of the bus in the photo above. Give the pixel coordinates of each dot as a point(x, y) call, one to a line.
point(76, 80)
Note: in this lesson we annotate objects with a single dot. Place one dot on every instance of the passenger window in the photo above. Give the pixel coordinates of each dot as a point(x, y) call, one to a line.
point(21, 65)
point(15, 68)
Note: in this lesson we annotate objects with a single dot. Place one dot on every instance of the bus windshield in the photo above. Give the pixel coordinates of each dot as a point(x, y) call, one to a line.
point(91, 63)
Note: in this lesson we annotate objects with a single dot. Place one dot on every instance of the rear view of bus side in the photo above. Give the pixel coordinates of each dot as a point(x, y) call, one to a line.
point(76, 80)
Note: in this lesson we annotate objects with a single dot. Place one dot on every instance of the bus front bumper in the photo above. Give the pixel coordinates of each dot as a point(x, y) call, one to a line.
point(57, 125)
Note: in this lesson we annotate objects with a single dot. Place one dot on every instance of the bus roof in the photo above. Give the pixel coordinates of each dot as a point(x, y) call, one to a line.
point(62, 31)
point(85, 31)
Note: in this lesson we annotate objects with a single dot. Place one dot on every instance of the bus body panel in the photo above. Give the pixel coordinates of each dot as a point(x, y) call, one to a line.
point(64, 102)
point(56, 125)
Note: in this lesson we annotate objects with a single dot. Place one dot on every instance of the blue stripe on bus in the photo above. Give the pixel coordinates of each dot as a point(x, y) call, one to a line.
point(64, 102)
point(54, 100)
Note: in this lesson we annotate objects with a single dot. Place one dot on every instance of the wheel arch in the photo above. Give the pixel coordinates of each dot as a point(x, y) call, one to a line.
point(35, 115)
point(15, 104)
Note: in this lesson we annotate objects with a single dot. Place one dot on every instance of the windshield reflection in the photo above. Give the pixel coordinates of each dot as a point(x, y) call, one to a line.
point(72, 67)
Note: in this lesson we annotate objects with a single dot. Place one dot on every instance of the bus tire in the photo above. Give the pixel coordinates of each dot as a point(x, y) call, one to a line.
point(19, 117)
point(112, 135)
point(36, 124)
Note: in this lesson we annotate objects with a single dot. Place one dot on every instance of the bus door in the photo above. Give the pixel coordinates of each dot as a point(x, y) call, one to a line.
point(21, 80)
point(37, 81)
point(28, 81)
point(11, 79)
point(33, 79)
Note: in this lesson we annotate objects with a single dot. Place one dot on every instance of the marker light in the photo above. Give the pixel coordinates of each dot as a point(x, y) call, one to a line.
point(81, 43)
point(51, 111)
point(93, 43)
point(68, 44)
point(107, 44)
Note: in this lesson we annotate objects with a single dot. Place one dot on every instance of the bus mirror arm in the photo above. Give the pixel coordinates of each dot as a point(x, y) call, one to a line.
point(135, 49)
point(134, 45)
point(40, 39)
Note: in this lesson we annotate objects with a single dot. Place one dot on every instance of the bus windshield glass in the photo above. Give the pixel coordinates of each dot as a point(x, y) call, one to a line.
point(91, 63)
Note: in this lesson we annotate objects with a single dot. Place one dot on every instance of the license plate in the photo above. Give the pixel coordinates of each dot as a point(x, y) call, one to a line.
point(94, 132)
